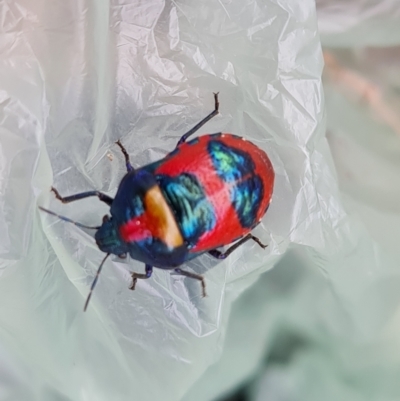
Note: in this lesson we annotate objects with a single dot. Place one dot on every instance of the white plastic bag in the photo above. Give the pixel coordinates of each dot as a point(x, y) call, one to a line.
point(76, 76)
point(339, 338)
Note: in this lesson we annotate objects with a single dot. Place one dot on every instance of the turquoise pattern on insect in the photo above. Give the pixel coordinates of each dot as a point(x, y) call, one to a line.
point(230, 164)
point(194, 213)
point(237, 168)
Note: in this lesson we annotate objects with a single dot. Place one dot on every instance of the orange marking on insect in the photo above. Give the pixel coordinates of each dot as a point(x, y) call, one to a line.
point(157, 222)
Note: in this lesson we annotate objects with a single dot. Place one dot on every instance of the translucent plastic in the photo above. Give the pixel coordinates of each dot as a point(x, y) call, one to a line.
point(339, 338)
point(75, 77)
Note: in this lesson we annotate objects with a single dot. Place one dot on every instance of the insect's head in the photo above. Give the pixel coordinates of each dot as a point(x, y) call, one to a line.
point(107, 238)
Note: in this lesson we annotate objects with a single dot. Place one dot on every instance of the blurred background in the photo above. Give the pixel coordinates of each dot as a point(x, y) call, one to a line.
point(361, 79)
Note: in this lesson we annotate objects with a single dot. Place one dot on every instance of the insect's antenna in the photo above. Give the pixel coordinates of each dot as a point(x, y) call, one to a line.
point(95, 282)
point(67, 219)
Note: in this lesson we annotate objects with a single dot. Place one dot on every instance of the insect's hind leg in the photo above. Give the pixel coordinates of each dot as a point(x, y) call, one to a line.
point(202, 122)
point(223, 255)
point(135, 276)
point(72, 198)
point(198, 277)
point(128, 164)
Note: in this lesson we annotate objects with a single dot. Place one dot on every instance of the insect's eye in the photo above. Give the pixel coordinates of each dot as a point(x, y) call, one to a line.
point(122, 256)
point(106, 218)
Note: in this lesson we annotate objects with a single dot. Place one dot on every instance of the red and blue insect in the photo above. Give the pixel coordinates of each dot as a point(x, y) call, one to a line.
point(208, 193)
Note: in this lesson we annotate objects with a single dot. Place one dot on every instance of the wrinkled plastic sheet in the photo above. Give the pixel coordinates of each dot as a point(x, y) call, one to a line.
point(77, 76)
point(342, 343)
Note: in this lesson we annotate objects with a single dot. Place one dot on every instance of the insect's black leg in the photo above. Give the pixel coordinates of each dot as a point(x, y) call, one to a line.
point(135, 276)
point(222, 255)
point(192, 275)
point(202, 122)
point(72, 198)
point(128, 164)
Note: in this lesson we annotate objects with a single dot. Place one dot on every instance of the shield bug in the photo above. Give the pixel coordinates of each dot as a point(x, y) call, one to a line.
point(207, 193)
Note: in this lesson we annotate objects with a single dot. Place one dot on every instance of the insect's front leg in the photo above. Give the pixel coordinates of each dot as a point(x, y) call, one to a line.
point(128, 164)
point(72, 198)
